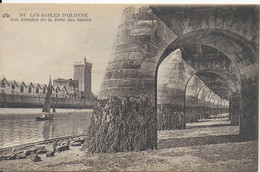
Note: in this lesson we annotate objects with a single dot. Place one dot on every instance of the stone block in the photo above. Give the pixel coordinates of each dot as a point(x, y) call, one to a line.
point(149, 57)
point(236, 24)
point(5, 157)
point(120, 56)
point(144, 14)
point(127, 14)
point(75, 143)
point(145, 74)
point(148, 66)
point(123, 34)
point(79, 139)
point(21, 155)
point(162, 88)
point(219, 23)
point(118, 74)
point(149, 83)
point(105, 93)
point(41, 151)
point(28, 152)
point(164, 101)
point(62, 148)
point(108, 75)
point(125, 91)
point(109, 83)
point(131, 74)
point(128, 47)
point(253, 67)
point(127, 26)
point(32, 150)
point(153, 48)
point(64, 143)
point(143, 31)
point(196, 23)
point(159, 43)
point(135, 56)
point(140, 39)
point(146, 24)
point(50, 147)
point(11, 156)
point(114, 66)
point(187, 27)
point(251, 74)
point(204, 21)
point(165, 33)
point(35, 158)
point(121, 39)
point(133, 83)
point(50, 154)
point(228, 22)
point(131, 64)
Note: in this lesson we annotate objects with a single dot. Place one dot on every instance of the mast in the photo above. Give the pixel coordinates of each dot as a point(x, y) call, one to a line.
point(53, 107)
point(46, 107)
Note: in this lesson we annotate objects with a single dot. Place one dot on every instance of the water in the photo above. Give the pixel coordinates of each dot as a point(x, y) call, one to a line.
point(18, 126)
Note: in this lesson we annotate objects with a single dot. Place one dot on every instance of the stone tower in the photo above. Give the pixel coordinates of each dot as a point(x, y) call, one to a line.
point(82, 73)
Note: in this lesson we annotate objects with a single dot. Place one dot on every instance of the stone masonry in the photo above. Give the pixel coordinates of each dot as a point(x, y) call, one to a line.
point(148, 34)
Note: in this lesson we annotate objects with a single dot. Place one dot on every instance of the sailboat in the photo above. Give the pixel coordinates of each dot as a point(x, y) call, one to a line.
point(46, 115)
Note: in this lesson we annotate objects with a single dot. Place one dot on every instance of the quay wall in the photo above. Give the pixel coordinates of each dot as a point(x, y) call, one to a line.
point(22, 101)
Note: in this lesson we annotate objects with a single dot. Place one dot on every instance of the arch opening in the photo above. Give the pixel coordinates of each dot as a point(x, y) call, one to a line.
point(173, 82)
point(214, 105)
point(209, 45)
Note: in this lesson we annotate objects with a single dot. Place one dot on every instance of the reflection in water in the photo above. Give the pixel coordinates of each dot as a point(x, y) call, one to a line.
point(48, 129)
point(19, 129)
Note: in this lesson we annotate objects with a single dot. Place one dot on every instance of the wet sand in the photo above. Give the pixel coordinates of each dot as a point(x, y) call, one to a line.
point(217, 149)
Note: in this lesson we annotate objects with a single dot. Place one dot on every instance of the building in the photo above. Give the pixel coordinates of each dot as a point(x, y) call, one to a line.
point(15, 94)
point(79, 88)
point(22, 88)
point(31, 89)
point(68, 87)
point(82, 73)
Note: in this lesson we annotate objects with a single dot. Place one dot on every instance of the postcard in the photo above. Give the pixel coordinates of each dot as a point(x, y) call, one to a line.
point(129, 87)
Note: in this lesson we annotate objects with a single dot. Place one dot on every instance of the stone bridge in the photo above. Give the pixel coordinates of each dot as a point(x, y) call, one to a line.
point(213, 52)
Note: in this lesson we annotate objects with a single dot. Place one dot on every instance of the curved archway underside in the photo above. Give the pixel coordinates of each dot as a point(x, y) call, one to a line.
point(226, 35)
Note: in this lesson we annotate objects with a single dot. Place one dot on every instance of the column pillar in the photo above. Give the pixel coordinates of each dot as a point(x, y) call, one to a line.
point(234, 108)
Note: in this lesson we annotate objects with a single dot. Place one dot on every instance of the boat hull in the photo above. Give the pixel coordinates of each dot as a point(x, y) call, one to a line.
point(50, 117)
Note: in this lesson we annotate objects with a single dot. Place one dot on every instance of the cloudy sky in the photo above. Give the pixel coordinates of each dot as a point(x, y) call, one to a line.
point(30, 51)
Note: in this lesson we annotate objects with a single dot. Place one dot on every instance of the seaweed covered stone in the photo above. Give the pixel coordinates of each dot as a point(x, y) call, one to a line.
point(122, 124)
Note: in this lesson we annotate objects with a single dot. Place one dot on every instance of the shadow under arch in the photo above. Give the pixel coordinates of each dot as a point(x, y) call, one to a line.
point(228, 43)
point(214, 38)
point(225, 75)
point(234, 46)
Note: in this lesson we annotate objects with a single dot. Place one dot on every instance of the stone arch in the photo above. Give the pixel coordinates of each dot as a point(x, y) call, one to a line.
point(228, 82)
point(244, 55)
point(241, 20)
point(168, 101)
point(237, 48)
point(146, 36)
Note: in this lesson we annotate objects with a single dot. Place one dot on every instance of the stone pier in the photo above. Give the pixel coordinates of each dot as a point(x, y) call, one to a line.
point(221, 46)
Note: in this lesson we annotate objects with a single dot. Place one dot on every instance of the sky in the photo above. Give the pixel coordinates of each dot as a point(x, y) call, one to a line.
point(30, 51)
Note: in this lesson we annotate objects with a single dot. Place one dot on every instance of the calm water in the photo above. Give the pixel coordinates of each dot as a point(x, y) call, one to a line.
point(18, 126)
